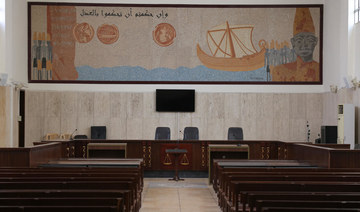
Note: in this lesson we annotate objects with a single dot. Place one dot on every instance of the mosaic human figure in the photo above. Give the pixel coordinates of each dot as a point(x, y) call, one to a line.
point(35, 56)
point(49, 57)
point(304, 41)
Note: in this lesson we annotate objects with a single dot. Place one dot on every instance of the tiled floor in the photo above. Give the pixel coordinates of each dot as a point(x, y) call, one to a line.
point(190, 195)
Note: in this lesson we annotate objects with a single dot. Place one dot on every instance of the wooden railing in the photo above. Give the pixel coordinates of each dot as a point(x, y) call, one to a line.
point(29, 156)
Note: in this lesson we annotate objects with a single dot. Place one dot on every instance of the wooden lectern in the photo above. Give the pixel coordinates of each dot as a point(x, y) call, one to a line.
point(176, 152)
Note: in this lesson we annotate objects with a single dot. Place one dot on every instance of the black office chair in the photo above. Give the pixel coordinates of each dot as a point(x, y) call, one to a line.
point(162, 133)
point(235, 133)
point(98, 132)
point(191, 133)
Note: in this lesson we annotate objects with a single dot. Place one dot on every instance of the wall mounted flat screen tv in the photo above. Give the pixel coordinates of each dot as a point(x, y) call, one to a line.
point(175, 100)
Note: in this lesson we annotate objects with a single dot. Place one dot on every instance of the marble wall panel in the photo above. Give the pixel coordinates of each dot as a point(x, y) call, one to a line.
point(201, 124)
point(133, 116)
point(297, 106)
point(102, 110)
point(185, 117)
point(314, 106)
point(167, 116)
point(232, 106)
point(281, 129)
point(116, 105)
point(214, 129)
point(233, 116)
point(68, 123)
point(149, 109)
point(330, 103)
point(165, 121)
point(183, 121)
point(149, 126)
point(281, 116)
point(101, 105)
point(232, 123)
point(102, 121)
point(52, 125)
point(116, 128)
point(53, 104)
point(264, 106)
point(298, 130)
point(216, 105)
point(281, 106)
point(134, 128)
point(265, 116)
point(201, 105)
point(83, 125)
point(86, 104)
point(35, 103)
point(265, 129)
point(69, 103)
point(135, 105)
point(315, 128)
point(248, 114)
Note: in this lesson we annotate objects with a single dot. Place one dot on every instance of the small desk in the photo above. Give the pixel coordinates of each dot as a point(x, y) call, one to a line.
point(106, 150)
point(176, 152)
point(226, 151)
point(114, 163)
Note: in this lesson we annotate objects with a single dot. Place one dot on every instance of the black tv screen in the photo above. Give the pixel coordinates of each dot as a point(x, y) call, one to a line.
point(175, 100)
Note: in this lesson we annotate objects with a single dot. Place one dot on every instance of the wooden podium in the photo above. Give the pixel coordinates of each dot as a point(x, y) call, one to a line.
point(176, 152)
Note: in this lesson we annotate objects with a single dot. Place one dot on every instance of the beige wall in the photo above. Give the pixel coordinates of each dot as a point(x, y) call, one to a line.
point(5, 116)
point(132, 115)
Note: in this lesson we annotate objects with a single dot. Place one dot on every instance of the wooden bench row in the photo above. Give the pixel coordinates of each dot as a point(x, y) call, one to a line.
point(114, 188)
point(268, 189)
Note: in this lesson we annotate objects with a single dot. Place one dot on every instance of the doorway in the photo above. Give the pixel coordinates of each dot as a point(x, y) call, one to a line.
point(21, 121)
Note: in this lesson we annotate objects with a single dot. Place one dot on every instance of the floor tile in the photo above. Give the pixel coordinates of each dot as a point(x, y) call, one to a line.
point(190, 195)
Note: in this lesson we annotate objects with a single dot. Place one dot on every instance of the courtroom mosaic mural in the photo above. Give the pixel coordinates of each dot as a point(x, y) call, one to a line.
point(102, 43)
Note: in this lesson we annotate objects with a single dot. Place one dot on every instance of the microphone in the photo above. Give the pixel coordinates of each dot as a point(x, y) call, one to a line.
point(71, 137)
point(181, 133)
point(178, 141)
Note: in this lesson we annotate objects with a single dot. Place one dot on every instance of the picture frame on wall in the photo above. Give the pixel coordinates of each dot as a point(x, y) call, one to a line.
point(175, 44)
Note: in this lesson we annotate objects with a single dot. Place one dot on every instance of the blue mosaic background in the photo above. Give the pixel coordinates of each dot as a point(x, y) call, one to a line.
point(199, 73)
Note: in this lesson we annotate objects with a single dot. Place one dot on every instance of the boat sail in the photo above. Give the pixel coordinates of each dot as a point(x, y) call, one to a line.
point(232, 49)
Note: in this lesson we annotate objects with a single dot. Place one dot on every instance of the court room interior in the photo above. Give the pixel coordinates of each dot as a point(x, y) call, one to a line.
point(180, 106)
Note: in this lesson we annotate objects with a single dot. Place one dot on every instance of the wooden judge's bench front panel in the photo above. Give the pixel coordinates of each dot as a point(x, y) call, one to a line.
point(153, 153)
point(196, 158)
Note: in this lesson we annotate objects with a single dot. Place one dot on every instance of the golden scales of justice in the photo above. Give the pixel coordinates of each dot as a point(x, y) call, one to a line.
point(184, 160)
